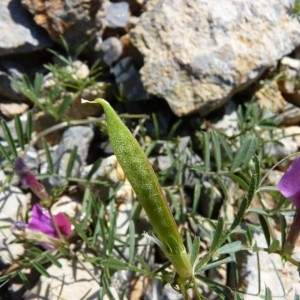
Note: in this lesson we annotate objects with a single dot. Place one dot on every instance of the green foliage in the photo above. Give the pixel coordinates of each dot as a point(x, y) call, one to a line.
point(32, 258)
point(237, 166)
point(67, 79)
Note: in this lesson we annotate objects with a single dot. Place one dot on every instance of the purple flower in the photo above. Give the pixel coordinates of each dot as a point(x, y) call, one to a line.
point(27, 178)
point(42, 221)
point(43, 228)
point(289, 184)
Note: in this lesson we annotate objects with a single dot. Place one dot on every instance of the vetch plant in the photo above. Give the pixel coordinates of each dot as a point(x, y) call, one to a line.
point(290, 188)
point(43, 227)
point(224, 230)
point(144, 182)
point(45, 237)
point(55, 92)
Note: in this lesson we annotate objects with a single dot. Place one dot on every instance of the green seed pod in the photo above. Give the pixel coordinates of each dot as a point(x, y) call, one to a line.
point(144, 182)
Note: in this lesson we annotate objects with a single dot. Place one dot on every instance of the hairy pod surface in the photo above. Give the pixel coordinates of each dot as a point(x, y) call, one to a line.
point(144, 182)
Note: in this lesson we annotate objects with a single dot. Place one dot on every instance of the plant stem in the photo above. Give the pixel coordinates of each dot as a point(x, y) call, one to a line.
point(293, 234)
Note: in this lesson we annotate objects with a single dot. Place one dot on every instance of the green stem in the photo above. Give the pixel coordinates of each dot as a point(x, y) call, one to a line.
point(293, 234)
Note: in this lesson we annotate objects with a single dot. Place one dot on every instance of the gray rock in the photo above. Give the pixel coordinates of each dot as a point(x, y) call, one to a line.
point(116, 14)
point(18, 32)
point(112, 49)
point(197, 54)
point(228, 124)
point(6, 90)
point(128, 78)
point(77, 136)
point(32, 160)
point(160, 162)
point(73, 20)
point(182, 154)
point(288, 139)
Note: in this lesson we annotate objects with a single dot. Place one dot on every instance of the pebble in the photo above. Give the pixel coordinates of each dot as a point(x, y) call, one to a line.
point(112, 49)
point(79, 70)
point(117, 14)
point(10, 110)
point(66, 205)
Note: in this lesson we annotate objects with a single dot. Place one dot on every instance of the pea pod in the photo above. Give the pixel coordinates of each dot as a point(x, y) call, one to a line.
point(144, 182)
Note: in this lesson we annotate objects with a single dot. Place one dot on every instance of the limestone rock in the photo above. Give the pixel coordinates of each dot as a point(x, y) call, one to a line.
point(110, 169)
point(280, 277)
point(270, 97)
point(18, 33)
point(65, 283)
point(228, 124)
point(288, 137)
point(68, 206)
point(13, 205)
point(197, 54)
point(10, 110)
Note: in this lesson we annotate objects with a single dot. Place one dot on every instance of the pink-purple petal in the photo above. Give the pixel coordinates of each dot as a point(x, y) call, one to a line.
point(289, 184)
point(30, 180)
point(41, 221)
point(63, 224)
